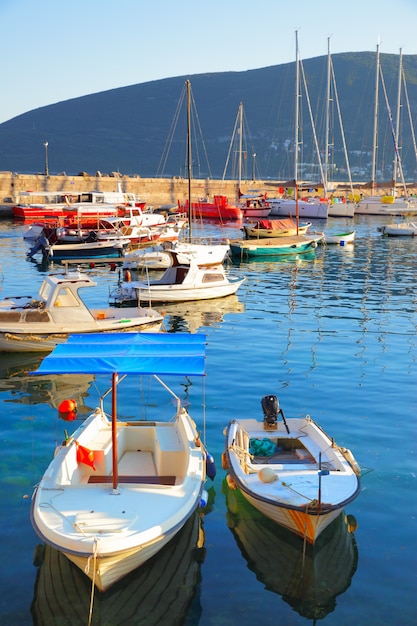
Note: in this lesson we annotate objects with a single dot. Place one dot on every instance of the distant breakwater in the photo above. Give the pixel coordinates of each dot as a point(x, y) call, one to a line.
point(155, 191)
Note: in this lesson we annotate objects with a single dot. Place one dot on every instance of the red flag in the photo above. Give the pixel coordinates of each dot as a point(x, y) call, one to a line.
point(84, 455)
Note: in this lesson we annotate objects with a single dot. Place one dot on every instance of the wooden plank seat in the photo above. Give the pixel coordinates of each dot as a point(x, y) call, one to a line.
point(146, 480)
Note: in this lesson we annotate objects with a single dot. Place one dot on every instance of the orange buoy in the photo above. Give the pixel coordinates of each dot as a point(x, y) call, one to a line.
point(67, 405)
point(127, 276)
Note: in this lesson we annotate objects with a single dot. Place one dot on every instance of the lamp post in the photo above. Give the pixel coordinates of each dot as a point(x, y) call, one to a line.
point(45, 145)
point(253, 165)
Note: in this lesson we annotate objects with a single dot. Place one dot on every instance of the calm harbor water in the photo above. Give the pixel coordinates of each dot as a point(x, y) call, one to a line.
point(333, 336)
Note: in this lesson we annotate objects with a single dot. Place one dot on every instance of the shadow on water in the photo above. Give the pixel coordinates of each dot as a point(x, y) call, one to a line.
point(309, 578)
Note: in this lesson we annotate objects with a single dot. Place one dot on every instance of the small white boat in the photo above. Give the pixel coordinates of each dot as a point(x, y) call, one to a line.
point(159, 258)
point(181, 282)
point(51, 247)
point(402, 229)
point(291, 471)
point(39, 324)
point(339, 239)
point(254, 205)
point(117, 491)
point(275, 228)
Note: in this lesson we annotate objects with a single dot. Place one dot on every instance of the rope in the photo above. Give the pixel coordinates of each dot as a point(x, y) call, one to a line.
point(87, 568)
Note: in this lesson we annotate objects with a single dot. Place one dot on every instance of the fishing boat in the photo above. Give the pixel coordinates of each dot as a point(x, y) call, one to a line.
point(254, 205)
point(308, 577)
point(218, 209)
point(275, 246)
point(158, 593)
point(117, 491)
point(402, 229)
point(184, 280)
point(39, 324)
point(291, 471)
point(275, 228)
point(51, 245)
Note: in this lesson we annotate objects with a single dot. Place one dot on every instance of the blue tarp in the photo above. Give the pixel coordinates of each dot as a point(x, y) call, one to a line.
point(178, 354)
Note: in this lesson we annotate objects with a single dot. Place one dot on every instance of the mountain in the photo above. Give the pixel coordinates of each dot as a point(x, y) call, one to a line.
point(130, 129)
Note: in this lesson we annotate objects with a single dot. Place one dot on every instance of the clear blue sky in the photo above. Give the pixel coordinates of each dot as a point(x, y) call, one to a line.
point(54, 50)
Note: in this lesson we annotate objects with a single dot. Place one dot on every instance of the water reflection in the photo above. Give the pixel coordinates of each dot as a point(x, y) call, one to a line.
point(191, 316)
point(309, 578)
point(27, 389)
point(160, 593)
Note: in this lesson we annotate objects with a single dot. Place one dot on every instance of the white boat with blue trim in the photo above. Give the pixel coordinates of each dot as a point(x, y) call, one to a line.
point(291, 470)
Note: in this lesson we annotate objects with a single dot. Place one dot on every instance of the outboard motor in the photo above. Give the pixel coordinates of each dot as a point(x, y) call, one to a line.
point(270, 407)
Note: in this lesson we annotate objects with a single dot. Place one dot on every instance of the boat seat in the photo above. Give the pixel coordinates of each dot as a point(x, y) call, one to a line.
point(146, 480)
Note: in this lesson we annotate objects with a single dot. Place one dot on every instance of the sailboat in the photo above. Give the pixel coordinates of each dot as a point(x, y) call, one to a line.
point(313, 207)
point(338, 206)
point(254, 203)
point(388, 204)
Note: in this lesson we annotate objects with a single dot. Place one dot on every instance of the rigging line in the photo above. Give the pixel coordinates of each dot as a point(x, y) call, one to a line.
point(413, 136)
point(397, 152)
point(171, 133)
point(313, 126)
point(342, 132)
point(196, 123)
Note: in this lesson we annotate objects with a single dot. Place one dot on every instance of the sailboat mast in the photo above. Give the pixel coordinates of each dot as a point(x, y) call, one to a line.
point(375, 137)
point(240, 145)
point(296, 141)
point(189, 159)
point(397, 121)
point(326, 152)
point(297, 104)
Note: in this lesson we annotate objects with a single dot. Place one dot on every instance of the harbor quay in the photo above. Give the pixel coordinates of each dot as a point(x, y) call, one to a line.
point(154, 191)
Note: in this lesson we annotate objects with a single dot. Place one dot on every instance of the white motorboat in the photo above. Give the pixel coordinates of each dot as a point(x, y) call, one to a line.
point(181, 282)
point(291, 471)
point(402, 229)
point(306, 208)
point(39, 324)
point(159, 258)
point(117, 490)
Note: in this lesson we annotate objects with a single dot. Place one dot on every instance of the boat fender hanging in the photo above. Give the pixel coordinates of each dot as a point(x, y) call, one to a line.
point(210, 466)
point(267, 475)
point(203, 498)
point(231, 483)
point(225, 462)
point(127, 276)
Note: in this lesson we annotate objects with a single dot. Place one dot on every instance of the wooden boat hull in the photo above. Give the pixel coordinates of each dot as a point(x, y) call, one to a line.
point(278, 246)
point(284, 230)
point(290, 486)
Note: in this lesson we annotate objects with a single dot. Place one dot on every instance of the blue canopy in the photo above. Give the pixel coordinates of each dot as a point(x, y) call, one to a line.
point(128, 353)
